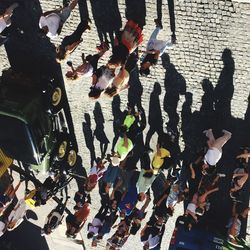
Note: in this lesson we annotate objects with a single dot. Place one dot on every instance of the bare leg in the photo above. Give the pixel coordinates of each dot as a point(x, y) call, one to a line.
point(209, 134)
point(221, 141)
point(242, 180)
point(73, 4)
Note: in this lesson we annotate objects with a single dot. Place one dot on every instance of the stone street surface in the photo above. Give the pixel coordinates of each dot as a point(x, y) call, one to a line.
point(204, 29)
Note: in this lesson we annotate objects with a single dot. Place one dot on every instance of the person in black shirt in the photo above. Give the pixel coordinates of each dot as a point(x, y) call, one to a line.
point(70, 43)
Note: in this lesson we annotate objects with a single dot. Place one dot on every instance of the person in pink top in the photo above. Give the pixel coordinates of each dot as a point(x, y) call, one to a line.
point(214, 152)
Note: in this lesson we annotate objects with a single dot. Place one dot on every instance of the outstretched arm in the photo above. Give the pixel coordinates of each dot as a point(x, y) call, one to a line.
point(192, 171)
point(245, 156)
point(210, 192)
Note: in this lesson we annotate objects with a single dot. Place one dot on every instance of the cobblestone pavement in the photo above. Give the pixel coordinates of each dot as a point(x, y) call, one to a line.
point(204, 29)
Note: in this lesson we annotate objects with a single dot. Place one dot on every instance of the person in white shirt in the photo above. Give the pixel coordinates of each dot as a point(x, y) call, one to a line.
point(5, 21)
point(87, 68)
point(51, 22)
point(214, 152)
point(101, 79)
point(16, 216)
point(155, 48)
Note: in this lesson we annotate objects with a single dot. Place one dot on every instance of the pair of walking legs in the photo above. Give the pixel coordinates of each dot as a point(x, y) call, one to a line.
point(219, 142)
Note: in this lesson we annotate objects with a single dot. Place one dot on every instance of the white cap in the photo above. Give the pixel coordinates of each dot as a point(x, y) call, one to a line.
point(115, 160)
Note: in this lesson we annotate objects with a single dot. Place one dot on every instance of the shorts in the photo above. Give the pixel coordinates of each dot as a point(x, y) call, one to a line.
point(64, 14)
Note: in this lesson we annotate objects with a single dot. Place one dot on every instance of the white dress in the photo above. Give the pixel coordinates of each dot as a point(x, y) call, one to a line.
point(52, 21)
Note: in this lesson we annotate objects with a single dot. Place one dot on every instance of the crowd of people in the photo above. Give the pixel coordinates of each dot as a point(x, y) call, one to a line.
point(126, 192)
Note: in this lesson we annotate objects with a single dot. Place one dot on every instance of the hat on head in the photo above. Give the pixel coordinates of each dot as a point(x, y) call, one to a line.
point(115, 160)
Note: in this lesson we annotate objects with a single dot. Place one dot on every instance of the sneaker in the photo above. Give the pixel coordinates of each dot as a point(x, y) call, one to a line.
point(221, 175)
point(158, 23)
point(69, 63)
point(22, 178)
point(206, 131)
point(3, 39)
point(226, 132)
point(173, 39)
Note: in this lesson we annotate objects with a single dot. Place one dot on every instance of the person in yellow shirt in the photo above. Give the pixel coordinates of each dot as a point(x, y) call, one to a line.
point(158, 158)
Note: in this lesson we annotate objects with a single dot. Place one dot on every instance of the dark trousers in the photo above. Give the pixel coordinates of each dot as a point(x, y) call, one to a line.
point(76, 35)
point(171, 13)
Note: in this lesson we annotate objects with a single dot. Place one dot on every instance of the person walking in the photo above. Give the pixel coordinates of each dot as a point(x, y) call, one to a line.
point(51, 22)
point(71, 42)
point(155, 48)
point(214, 152)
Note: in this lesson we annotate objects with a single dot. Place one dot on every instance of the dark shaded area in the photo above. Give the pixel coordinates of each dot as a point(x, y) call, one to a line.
point(175, 85)
point(118, 117)
point(79, 173)
point(223, 92)
point(83, 9)
point(99, 132)
point(135, 90)
point(135, 134)
point(89, 137)
point(215, 112)
point(155, 120)
point(31, 215)
point(107, 19)
point(27, 46)
point(27, 236)
point(136, 11)
point(170, 12)
point(207, 103)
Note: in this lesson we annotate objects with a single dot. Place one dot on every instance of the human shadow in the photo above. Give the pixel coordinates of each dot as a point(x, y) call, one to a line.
point(170, 11)
point(223, 92)
point(134, 101)
point(89, 137)
point(80, 173)
point(83, 10)
point(136, 135)
point(118, 117)
point(26, 236)
point(175, 85)
point(99, 130)
point(107, 19)
point(155, 120)
point(186, 120)
point(135, 90)
point(136, 11)
point(207, 104)
point(215, 113)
